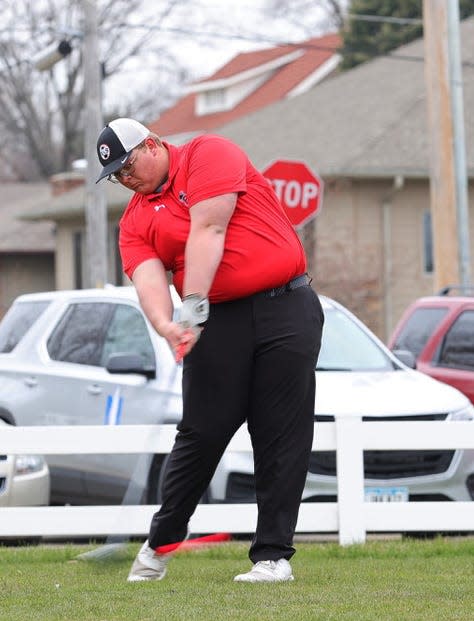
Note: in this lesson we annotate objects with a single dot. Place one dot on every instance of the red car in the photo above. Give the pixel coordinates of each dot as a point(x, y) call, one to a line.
point(439, 332)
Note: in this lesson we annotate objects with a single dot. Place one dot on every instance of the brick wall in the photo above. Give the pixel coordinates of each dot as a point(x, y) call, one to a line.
point(367, 251)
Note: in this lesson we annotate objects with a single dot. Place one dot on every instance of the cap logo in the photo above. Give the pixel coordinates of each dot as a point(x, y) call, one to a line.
point(104, 151)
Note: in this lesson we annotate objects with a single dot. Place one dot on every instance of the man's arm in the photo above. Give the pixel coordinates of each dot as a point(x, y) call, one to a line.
point(153, 292)
point(205, 243)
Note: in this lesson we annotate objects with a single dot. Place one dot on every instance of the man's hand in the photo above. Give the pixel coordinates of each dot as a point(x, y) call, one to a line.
point(195, 311)
point(180, 339)
point(188, 340)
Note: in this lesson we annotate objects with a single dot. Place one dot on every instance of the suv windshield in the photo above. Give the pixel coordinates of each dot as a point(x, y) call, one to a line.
point(347, 347)
point(418, 329)
point(16, 323)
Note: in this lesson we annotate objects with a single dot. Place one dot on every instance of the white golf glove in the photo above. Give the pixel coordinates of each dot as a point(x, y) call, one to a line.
point(194, 311)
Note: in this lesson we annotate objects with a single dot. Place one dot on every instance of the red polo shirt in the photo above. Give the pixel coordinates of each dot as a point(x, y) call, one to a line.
point(261, 248)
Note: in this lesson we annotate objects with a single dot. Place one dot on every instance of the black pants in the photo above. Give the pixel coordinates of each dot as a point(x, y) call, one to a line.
point(254, 362)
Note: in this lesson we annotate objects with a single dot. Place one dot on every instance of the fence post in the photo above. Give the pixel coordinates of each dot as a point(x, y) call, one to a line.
point(350, 479)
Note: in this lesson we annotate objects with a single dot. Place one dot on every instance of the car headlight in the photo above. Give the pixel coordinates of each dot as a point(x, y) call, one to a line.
point(466, 413)
point(27, 464)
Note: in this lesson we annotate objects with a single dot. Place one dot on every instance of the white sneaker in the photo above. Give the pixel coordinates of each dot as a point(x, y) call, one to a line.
point(148, 565)
point(268, 571)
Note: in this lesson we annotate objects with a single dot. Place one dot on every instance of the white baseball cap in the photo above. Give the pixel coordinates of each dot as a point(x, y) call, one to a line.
point(116, 143)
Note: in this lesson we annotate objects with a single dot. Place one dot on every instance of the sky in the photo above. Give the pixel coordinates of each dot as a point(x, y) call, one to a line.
point(237, 26)
point(241, 17)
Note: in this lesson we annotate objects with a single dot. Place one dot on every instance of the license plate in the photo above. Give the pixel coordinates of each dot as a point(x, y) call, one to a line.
point(386, 494)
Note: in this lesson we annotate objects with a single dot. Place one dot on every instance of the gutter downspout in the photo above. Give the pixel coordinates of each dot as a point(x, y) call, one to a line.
point(398, 184)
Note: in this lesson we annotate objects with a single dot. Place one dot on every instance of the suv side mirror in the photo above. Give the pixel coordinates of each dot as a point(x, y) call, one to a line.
point(406, 357)
point(130, 363)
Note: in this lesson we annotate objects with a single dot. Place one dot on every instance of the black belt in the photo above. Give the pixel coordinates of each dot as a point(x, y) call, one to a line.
point(294, 283)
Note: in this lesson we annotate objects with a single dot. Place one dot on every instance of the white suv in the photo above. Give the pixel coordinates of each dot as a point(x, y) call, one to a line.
point(24, 480)
point(90, 357)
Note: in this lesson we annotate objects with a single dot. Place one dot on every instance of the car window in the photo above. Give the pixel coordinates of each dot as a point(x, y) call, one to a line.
point(458, 345)
point(346, 346)
point(17, 321)
point(418, 329)
point(80, 334)
point(127, 333)
point(88, 333)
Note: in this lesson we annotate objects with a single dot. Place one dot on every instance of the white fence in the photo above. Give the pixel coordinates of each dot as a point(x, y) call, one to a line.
point(351, 517)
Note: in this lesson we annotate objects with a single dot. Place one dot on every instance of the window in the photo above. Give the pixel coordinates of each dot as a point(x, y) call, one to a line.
point(458, 347)
point(127, 333)
point(88, 333)
point(79, 336)
point(78, 258)
point(346, 347)
point(16, 323)
point(428, 260)
point(211, 101)
point(418, 329)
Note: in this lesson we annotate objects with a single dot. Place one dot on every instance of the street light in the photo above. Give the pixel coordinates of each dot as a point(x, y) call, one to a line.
point(51, 55)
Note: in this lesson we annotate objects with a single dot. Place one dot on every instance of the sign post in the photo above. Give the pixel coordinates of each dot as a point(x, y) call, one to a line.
point(299, 190)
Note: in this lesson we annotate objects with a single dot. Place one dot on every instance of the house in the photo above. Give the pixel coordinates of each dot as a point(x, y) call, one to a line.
point(26, 249)
point(365, 133)
point(66, 209)
point(249, 82)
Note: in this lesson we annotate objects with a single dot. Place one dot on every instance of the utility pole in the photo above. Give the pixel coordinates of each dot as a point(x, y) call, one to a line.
point(447, 179)
point(95, 208)
point(462, 203)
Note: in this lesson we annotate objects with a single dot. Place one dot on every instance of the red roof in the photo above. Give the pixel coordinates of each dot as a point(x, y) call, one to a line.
point(181, 117)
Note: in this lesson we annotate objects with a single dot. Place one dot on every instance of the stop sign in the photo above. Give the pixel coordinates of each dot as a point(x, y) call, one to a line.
point(299, 190)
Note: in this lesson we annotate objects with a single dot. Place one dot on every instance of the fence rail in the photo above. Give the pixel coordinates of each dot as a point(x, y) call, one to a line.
point(350, 517)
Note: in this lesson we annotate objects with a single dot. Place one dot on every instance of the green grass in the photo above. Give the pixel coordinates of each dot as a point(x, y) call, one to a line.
point(381, 580)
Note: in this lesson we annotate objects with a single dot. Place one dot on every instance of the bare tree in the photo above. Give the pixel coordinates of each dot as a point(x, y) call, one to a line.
point(310, 15)
point(41, 112)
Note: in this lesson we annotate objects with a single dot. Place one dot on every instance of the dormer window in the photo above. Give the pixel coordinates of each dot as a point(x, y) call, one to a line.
point(226, 97)
point(224, 93)
point(212, 101)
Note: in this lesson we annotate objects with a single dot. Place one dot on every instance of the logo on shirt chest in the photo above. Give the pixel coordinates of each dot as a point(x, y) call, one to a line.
point(158, 207)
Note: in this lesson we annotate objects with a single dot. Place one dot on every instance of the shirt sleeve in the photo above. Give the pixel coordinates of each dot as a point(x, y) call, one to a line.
point(216, 166)
point(134, 250)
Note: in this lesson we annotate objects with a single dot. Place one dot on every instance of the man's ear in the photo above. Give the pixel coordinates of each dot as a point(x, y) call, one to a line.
point(151, 143)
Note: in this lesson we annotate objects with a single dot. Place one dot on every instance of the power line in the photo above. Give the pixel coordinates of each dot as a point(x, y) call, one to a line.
point(272, 41)
point(279, 43)
point(404, 21)
point(357, 17)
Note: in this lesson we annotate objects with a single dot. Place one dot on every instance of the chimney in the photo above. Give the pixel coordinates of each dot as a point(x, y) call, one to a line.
point(66, 181)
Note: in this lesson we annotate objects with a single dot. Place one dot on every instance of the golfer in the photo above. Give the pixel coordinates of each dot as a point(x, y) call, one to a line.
point(249, 331)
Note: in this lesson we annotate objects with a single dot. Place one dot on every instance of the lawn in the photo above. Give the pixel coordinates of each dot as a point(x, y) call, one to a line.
point(393, 580)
